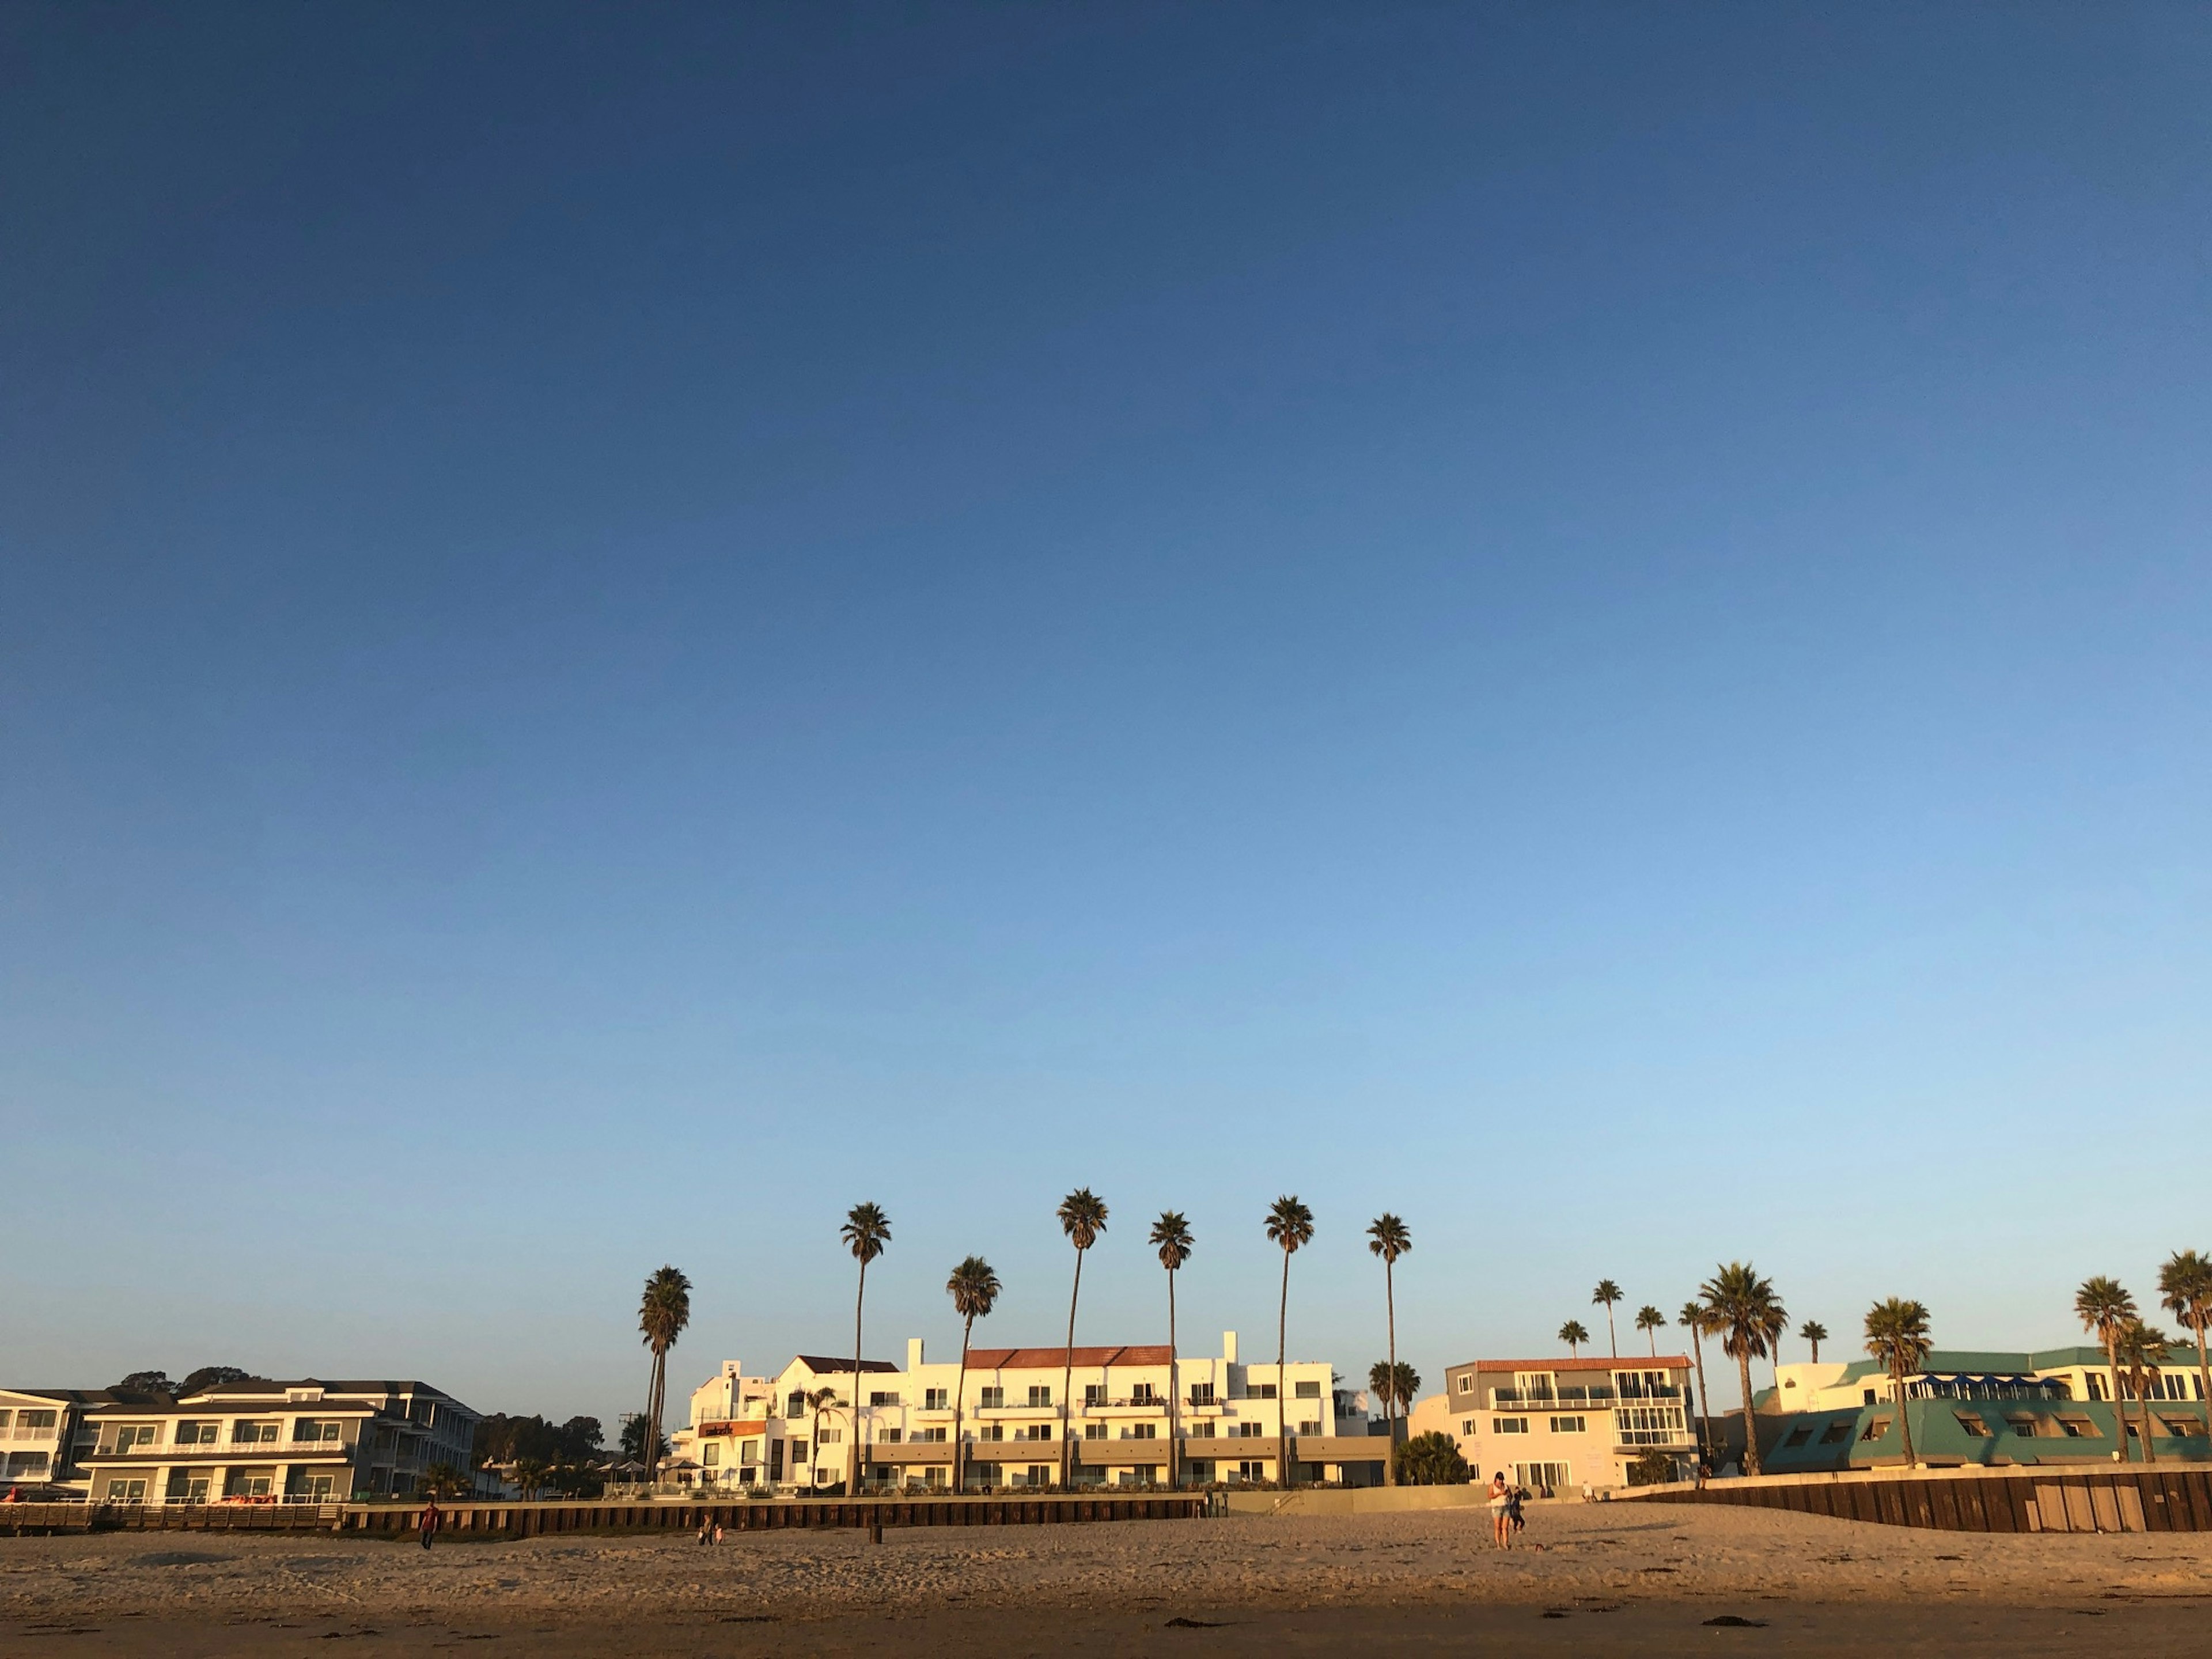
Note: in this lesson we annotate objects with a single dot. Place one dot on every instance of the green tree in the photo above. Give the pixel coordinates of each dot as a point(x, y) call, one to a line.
point(1650, 1321)
point(1388, 1237)
point(2142, 1349)
point(1290, 1226)
point(529, 1476)
point(1742, 1309)
point(662, 1313)
point(1430, 1460)
point(867, 1232)
point(2184, 1285)
point(1574, 1334)
point(1082, 1219)
point(1896, 1335)
point(1815, 1333)
point(1170, 1236)
point(444, 1480)
point(1654, 1469)
point(2105, 1309)
point(1694, 1318)
point(974, 1289)
point(1405, 1384)
point(1605, 1296)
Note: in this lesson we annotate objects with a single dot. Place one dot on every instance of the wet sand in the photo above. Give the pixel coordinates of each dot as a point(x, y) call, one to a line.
point(1604, 1578)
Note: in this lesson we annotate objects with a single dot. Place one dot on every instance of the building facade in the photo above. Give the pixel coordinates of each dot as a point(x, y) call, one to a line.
point(1125, 1411)
point(45, 1435)
point(274, 1442)
point(1558, 1425)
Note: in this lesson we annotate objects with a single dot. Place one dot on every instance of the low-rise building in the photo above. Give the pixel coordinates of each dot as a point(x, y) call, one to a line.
point(1125, 1408)
point(44, 1434)
point(1558, 1425)
point(275, 1442)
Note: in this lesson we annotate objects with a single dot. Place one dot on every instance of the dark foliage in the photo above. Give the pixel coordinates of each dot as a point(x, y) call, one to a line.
point(502, 1439)
point(1432, 1460)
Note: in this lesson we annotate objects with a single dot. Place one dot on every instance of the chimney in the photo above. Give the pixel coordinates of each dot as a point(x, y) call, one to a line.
point(1228, 1347)
point(913, 1353)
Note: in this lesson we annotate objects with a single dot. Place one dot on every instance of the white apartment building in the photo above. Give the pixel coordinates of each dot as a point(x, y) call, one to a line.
point(1124, 1410)
point(274, 1442)
point(1556, 1426)
point(43, 1433)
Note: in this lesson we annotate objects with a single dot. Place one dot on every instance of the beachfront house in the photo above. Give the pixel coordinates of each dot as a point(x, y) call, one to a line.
point(1559, 1426)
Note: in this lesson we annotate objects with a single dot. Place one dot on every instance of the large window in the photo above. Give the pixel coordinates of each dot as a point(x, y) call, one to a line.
point(251, 1434)
point(1040, 1394)
point(1569, 1425)
point(1201, 1393)
point(1509, 1425)
point(935, 1400)
point(992, 1398)
point(1649, 1426)
point(1545, 1479)
point(1308, 1391)
point(882, 1399)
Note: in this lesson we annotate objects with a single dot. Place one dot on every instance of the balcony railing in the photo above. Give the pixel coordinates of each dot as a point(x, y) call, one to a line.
point(251, 1450)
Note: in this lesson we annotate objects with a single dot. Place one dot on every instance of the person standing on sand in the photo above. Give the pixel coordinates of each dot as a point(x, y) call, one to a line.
point(430, 1518)
point(1501, 1524)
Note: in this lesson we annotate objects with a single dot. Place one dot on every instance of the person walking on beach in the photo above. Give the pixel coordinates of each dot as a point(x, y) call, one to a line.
point(1514, 1501)
point(430, 1518)
point(1501, 1524)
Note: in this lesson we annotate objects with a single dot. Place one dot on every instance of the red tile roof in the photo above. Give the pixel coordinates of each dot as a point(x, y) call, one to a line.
point(998, 1359)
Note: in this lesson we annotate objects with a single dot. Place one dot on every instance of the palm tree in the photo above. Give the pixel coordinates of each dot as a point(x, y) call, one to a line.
point(2106, 1308)
point(1896, 1335)
point(974, 1289)
point(2185, 1284)
point(1170, 1236)
point(1405, 1383)
point(1382, 1383)
point(1082, 1217)
point(2143, 1347)
point(1742, 1309)
point(1290, 1225)
point(865, 1231)
point(1574, 1334)
point(1693, 1317)
point(821, 1401)
point(1387, 1238)
point(662, 1314)
point(1605, 1296)
point(1815, 1333)
point(1650, 1321)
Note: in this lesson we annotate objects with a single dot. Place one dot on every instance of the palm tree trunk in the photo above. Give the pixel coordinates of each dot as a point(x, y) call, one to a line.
point(1750, 1423)
point(1067, 1379)
point(1611, 1339)
point(1697, 1406)
point(1283, 1382)
point(2119, 1405)
point(1390, 1394)
point(1904, 1422)
point(1175, 1402)
point(645, 1440)
point(2142, 1380)
point(852, 1459)
point(1654, 1334)
point(959, 1394)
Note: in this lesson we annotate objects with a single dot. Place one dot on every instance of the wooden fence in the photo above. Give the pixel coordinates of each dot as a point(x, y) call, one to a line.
point(530, 1519)
point(2135, 1499)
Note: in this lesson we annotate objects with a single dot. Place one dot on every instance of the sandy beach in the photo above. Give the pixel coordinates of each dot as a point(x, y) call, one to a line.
point(1597, 1578)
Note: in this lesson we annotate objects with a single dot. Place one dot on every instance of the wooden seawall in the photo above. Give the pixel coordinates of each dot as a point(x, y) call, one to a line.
point(2131, 1500)
point(464, 1519)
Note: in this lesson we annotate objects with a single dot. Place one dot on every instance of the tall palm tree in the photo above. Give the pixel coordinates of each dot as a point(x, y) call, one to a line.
point(865, 1231)
point(1896, 1335)
point(2105, 1309)
point(1694, 1318)
point(1170, 1236)
point(1815, 1333)
point(974, 1289)
point(1382, 1383)
point(1291, 1226)
point(1650, 1321)
point(821, 1401)
point(1742, 1311)
point(1405, 1383)
point(2143, 1347)
point(1574, 1334)
point(1605, 1296)
point(1387, 1238)
point(662, 1314)
point(1082, 1217)
point(2184, 1285)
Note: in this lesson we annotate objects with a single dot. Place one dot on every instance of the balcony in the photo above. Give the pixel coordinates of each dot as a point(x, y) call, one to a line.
point(245, 1452)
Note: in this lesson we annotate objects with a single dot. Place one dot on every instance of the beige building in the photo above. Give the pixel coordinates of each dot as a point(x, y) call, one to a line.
point(782, 1434)
point(1558, 1425)
point(44, 1434)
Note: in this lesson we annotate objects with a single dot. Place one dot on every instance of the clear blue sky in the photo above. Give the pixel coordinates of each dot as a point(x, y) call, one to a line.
point(619, 629)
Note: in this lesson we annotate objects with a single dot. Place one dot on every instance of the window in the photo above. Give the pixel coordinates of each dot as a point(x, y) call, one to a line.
point(1642, 1385)
point(30, 1419)
point(1649, 1426)
point(992, 1431)
point(1244, 1430)
point(749, 1450)
point(1263, 1391)
point(126, 1491)
point(1201, 1393)
point(250, 1434)
point(933, 1436)
point(1972, 1423)
point(1545, 1479)
point(887, 1436)
point(711, 1457)
point(1310, 1426)
point(1094, 1393)
point(1836, 1433)
point(1875, 1428)
point(2077, 1428)
point(1140, 1394)
point(1533, 1385)
point(1468, 1427)
point(4, 1417)
point(2181, 1428)
point(25, 1462)
point(936, 1400)
point(186, 1488)
point(1308, 1391)
point(993, 1398)
point(796, 1405)
point(1464, 1382)
point(827, 1437)
point(1799, 1435)
point(2097, 1387)
point(1144, 1432)
point(883, 1400)
point(1568, 1425)
point(1199, 1430)
point(2021, 1423)
point(1509, 1425)
point(1040, 1394)
point(1866, 1396)
point(1094, 1431)
point(130, 1434)
point(316, 1431)
point(798, 1452)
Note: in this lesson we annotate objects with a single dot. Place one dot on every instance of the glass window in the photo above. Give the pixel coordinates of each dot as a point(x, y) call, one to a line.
point(1201, 1393)
point(1972, 1424)
point(1875, 1428)
point(1308, 1391)
point(880, 1399)
point(1569, 1425)
point(1040, 1396)
point(1509, 1425)
point(1263, 1391)
point(935, 1400)
point(1094, 1393)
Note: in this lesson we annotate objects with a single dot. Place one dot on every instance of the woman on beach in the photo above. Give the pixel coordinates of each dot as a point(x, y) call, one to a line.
point(1501, 1522)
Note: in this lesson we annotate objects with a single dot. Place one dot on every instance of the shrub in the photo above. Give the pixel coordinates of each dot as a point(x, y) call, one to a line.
point(1432, 1460)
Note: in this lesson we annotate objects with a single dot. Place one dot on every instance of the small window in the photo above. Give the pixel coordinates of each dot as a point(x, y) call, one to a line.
point(1799, 1436)
point(1094, 1431)
point(1568, 1425)
point(993, 1398)
point(1866, 1396)
point(1972, 1424)
point(796, 1405)
point(884, 1437)
point(827, 1437)
point(1094, 1393)
point(2075, 1427)
point(1141, 1395)
point(2022, 1424)
point(2180, 1427)
point(1308, 1391)
point(1875, 1430)
point(1836, 1433)
point(1040, 1396)
point(1467, 1427)
point(1201, 1393)
point(1263, 1391)
point(1509, 1425)
point(1311, 1426)
point(710, 1457)
point(879, 1399)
